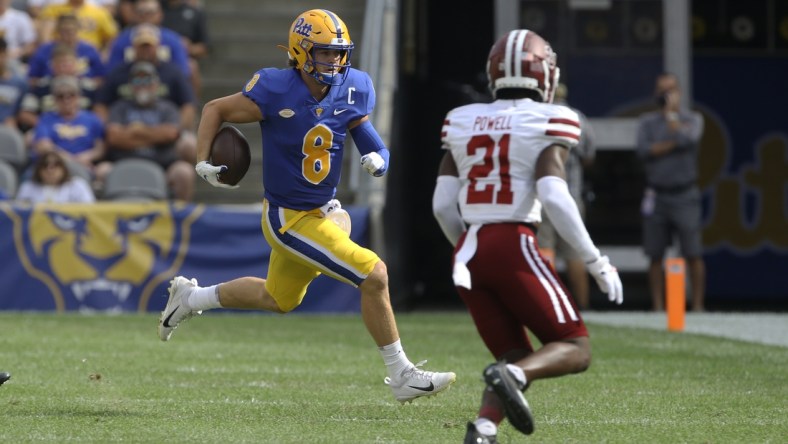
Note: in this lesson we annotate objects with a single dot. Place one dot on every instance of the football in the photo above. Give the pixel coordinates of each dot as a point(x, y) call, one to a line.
point(230, 148)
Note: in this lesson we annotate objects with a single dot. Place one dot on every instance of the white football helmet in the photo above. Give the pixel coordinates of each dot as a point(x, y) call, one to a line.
point(523, 59)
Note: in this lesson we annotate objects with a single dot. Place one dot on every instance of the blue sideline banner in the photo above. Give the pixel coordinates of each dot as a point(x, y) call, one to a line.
point(119, 257)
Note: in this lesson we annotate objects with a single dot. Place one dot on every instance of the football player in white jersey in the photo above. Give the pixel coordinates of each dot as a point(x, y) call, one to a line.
point(503, 161)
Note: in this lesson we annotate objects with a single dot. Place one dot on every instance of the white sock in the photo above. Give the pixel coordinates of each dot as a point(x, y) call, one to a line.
point(204, 298)
point(518, 373)
point(395, 359)
point(485, 427)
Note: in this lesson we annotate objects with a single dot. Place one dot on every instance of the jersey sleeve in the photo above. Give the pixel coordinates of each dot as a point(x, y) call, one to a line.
point(369, 96)
point(562, 127)
point(38, 63)
point(44, 128)
point(178, 54)
point(97, 129)
point(256, 88)
point(118, 49)
point(358, 94)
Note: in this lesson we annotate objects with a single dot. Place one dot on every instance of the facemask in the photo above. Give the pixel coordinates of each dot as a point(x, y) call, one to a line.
point(144, 97)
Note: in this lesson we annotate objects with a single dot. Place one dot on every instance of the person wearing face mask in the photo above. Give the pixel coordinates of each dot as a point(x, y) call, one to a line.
point(667, 143)
point(173, 86)
point(148, 126)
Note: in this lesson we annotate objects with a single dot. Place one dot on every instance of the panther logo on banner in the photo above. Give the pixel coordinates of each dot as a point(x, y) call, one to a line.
point(107, 257)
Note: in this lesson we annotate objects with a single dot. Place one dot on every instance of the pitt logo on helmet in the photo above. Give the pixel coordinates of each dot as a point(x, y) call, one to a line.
point(301, 27)
point(320, 29)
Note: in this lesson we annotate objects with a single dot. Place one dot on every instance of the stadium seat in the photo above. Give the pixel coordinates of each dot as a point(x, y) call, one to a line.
point(135, 180)
point(12, 147)
point(8, 179)
point(79, 170)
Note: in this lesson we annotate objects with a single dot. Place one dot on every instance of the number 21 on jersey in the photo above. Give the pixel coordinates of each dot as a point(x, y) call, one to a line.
point(495, 165)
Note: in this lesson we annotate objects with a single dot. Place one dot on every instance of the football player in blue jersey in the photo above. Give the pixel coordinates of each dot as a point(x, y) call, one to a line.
point(305, 113)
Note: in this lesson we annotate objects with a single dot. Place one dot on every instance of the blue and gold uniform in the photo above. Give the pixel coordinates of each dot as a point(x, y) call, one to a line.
point(303, 147)
point(303, 138)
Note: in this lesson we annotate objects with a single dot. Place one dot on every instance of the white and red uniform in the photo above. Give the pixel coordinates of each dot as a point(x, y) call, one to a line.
point(499, 272)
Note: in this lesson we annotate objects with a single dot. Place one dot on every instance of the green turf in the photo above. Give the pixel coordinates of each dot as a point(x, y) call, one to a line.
point(319, 379)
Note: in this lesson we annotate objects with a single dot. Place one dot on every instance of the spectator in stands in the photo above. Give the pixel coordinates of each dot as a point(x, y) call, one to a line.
point(52, 181)
point(12, 90)
point(110, 5)
point(190, 23)
point(75, 133)
point(18, 30)
point(552, 244)
point(34, 7)
point(667, 143)
point(170, 49)
point(126, 15)
point(89, 66)
point(39, 99)
point(148, 127)
point(174, 87)
point(98, 26)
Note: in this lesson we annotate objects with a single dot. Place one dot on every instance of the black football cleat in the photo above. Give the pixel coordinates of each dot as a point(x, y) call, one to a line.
point(505, 385)
point(4, 376)
point(473, 436)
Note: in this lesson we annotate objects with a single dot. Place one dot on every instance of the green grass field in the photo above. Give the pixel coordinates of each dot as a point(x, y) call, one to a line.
point(319, 379)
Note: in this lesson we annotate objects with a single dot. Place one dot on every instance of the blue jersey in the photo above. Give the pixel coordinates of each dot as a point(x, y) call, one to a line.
point(171, 49)
point(89, 63)
point(73, 135)
point(303, 139)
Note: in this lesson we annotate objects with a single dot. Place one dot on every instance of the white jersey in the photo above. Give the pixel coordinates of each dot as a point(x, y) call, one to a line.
point(495, 146)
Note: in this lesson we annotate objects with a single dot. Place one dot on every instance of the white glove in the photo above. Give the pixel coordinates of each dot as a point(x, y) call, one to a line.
point(607, 278)
point(211, 174)
point(373, 163)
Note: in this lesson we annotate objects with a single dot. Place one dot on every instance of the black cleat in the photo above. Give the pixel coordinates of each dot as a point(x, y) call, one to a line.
point(472, 436)
point(505, 385)
point(4, 376)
